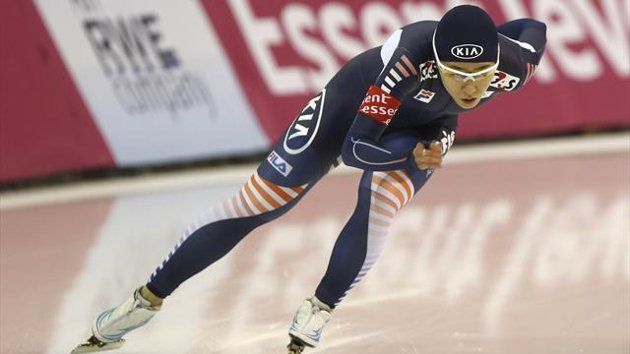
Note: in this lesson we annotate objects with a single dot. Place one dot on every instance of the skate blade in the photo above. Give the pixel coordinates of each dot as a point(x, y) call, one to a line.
point(93, 345)
point(296, 346)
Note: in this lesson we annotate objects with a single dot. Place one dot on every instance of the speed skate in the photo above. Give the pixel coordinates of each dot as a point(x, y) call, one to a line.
point(111, 325)
point(307, 325)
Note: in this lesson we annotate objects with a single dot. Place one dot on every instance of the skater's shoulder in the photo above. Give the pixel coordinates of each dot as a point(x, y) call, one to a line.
point(421, 26)
point(414, 39)
point(419, 33)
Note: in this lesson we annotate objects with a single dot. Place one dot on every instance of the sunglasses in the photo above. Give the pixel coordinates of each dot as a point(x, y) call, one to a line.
point(463, 76)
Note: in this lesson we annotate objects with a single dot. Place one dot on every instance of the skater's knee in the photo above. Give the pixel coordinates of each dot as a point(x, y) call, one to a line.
point(390, 190)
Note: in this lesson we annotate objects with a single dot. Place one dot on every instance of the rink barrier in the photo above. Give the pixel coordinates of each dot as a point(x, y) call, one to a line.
point(540, 148)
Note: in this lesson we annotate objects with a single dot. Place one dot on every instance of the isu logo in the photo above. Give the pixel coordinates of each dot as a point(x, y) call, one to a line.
point(303, 130)
point(467, 51)
point(379, 105)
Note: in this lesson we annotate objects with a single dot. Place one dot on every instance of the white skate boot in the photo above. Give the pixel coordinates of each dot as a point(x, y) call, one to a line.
point(111, 325)
point(308, 322)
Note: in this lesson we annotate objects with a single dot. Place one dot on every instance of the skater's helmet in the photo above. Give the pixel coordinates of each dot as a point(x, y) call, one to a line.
point(466, 33)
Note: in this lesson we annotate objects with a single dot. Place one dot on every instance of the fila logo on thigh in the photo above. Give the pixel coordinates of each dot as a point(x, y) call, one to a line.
point(304, 128)
point(280, 164)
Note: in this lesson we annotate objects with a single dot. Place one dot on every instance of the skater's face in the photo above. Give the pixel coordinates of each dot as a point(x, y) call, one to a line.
point(467, 82)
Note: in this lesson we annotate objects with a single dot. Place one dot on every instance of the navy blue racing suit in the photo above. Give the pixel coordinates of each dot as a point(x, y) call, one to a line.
point(371, 115)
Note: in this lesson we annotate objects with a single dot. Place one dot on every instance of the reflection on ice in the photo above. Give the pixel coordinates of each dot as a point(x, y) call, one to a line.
point(464, 271)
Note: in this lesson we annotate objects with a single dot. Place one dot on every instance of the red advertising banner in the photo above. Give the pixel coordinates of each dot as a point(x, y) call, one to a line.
point(45, 127)
point(284, 51)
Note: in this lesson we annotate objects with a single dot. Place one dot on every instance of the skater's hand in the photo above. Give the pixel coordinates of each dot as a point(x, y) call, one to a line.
point(428, 158)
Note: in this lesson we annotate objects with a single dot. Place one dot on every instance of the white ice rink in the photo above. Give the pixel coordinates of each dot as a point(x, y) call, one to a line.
point(511, 248)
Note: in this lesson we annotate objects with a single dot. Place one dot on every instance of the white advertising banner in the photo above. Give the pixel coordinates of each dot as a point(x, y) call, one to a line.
point(154, 77)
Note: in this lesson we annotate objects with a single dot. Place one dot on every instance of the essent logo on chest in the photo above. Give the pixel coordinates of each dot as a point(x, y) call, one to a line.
point(379, 105)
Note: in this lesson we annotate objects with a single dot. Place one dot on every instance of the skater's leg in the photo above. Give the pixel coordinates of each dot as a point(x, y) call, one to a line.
point(381, 196)
point(218, 231)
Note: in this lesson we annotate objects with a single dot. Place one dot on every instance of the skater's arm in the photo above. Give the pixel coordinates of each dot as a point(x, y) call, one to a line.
point(530, 33)
point(361, 149)
point(397, 80)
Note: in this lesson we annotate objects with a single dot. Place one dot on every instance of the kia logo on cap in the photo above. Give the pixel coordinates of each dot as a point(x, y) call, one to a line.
point(467, 51)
